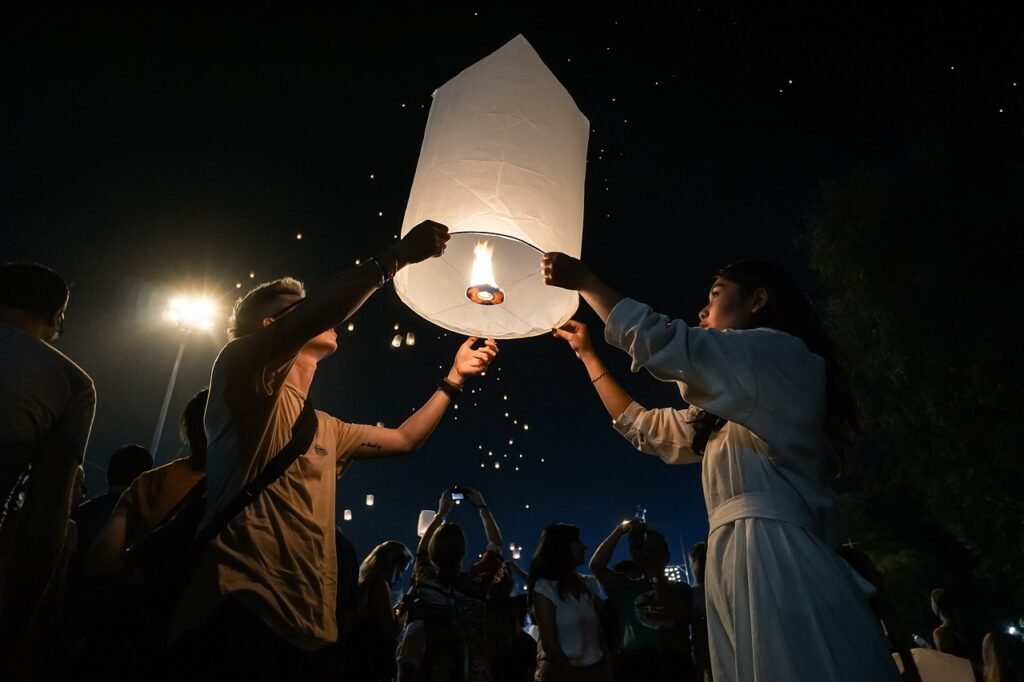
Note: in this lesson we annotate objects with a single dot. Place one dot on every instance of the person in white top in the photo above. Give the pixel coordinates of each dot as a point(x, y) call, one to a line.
point(566, 605)
point(769, 411)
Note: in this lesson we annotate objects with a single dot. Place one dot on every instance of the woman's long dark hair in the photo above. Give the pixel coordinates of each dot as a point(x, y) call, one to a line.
point(553, 559)
point(789, 310)
point(447, 549)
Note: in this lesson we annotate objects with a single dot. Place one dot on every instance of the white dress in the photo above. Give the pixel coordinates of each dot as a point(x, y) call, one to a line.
point(782, 605)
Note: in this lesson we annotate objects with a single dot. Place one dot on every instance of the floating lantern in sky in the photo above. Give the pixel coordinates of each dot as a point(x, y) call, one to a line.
point(397, 341)
point(369, 500)
point(351, 327)
point(502, 165)
point(516, 554)
point(410, 339)
point(348, 514)
point(426, 518)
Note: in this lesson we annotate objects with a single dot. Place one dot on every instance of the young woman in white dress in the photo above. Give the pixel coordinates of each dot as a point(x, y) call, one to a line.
point(769, 413)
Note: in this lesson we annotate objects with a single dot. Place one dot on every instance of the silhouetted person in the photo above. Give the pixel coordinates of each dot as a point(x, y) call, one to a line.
point(1002, 657)
point(151, 498)
point(512, 652)
point(953, 635)
point(377, 625)
point(47, 403)
point(654, 641)
point(701, 656)
point(881, 604)
point(125, 465)
point(452, 599)
point(122, 626)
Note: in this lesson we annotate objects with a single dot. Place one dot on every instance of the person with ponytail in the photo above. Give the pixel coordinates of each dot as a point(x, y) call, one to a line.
point(770, 417)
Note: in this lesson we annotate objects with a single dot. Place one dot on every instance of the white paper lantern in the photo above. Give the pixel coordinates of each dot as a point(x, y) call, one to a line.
point(503, 162)
point(348, 514)
point(426, 518)
point(369, 500)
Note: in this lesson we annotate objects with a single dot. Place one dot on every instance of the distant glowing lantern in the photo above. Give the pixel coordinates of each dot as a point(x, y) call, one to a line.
point(410, 339)
point(502, 165)
point(348, 514)
point(369, 500)
point(516, 554)
point(426, 518)
point(397, 341)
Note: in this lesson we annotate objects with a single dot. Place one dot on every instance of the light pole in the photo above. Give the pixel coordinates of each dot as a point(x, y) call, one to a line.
point(189, 314)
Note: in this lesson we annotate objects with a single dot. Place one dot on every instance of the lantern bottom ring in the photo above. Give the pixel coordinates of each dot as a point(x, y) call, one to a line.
point(485, 294)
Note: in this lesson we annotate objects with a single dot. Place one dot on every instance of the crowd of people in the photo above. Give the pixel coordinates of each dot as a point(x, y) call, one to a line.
point(228, 563)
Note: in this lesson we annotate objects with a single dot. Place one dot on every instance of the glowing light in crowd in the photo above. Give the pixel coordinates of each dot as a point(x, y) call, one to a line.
point(424, 521)
point(191, 313)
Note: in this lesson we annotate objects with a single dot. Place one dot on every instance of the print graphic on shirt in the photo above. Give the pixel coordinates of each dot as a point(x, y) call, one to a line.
point(650, 613)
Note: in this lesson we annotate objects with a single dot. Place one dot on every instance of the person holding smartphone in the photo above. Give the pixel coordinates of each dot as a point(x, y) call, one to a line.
point(453, 600)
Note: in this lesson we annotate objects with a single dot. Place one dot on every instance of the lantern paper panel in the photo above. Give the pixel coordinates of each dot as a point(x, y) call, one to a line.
point(503, 161)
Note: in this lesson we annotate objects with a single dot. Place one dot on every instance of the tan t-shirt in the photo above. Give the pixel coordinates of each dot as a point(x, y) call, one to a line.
point(278, 557)
point(152, 496)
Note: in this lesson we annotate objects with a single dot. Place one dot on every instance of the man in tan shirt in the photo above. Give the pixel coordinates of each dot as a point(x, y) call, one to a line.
point(261, 604)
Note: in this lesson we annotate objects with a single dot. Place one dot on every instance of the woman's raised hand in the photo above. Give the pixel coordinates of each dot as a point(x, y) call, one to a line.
point(578, 337)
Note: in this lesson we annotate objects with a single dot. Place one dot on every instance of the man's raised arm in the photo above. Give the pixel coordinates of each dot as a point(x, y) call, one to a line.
point(336, 301)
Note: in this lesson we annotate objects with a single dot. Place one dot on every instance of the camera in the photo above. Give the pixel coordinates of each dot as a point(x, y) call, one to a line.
point(458, 494)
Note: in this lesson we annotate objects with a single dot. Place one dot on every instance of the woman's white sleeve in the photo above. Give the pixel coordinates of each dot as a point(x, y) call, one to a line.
point(716, 367)
point(664, 432)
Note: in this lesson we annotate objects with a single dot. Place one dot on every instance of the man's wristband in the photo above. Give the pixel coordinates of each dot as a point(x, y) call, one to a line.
point(382, 277)
point(387, 265)
point(449, 387)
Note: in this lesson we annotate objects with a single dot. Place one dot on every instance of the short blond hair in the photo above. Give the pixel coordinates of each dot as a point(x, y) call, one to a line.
point(250, 309)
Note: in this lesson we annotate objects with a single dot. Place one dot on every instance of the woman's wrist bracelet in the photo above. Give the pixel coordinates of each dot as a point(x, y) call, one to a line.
point(600, 376)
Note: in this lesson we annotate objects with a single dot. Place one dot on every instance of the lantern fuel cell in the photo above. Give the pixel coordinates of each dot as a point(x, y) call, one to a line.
point(503, 164)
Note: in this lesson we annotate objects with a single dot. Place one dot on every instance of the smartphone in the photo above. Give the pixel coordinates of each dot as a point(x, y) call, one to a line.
point(457, 494)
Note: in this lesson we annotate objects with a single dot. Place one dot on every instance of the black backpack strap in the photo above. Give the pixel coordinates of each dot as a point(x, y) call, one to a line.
point(303, 432)
point(196, 491)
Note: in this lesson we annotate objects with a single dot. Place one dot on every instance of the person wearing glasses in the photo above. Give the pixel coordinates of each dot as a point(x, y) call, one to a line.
point(47, 404)
point(261, 602)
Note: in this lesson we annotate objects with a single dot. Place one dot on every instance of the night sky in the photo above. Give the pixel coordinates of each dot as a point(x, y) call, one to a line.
point(155, 149)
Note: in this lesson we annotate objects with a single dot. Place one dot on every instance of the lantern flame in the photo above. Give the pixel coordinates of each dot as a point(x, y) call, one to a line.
point(483, 290)
point(483, 270)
